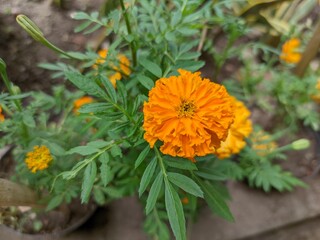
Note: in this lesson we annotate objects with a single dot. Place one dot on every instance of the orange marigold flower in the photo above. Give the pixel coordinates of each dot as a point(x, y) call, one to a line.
point(290, 52)
point(190, 115)
point(1, 115)
point(262, 143)
point(80, 102)
point(38, 159)
point(239, 130)
point(123, 69)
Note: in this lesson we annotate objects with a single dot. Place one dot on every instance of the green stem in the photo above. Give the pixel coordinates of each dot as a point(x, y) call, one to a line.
point(132, 43)
point(163, 169)
point(7, 82)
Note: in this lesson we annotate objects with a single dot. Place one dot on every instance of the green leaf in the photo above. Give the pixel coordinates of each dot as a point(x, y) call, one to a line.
point(28, 119)
point(185, 183)
point(176, 17)
point(211, 174)
point(80, 16)
point(154, 192)
point(116, 151)
point(83, 150)
point(82, 26)
point(123, 93)
point(85, 84)
point(147, 176)
point(90, 174)
point(109, 88)
point(98, 144)
point(99, 196)
point(175, 212)
point(215, 200)
point(54, 202)
point(145, 81)
point(95, 107)
point(180, 163)
point(151, 67)
point(142, 156)
point(78, 55)
point(56, 149)
point(105, 170)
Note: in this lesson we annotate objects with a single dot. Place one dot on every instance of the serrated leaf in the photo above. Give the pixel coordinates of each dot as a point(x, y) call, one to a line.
point(93, 29)
point(185, 183)
point(78, 55)
point(99, 196)
point(154, 193)
point(98, 143)
point(215, 201)
point(105, 170)
point(56, 149)
point(123, 93)
point(83, 150)
point(28, 120)
point(109, 88)
point(142, 156)
point(116, 151)
point(80, 16)
point(180, 163)
point(90, 174)
point(85, 84)
point(175, 212)
point(151, 67)
point(147, 176)
point(145, 81)
point(82, 26)
point(54, 202)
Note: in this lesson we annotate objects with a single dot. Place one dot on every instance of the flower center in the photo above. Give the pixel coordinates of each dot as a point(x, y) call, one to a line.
point(186, 109)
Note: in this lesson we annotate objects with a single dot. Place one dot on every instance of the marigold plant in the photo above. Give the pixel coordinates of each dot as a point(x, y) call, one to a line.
point(161, 131)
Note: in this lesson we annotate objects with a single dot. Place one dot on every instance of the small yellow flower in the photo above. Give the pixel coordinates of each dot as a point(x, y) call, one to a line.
point(80, 102)
point(188, 114)
point(262, 143)
point(123, 69)
point(290, 51)
point(239, 130)
point(38, 159)
point(2, 118)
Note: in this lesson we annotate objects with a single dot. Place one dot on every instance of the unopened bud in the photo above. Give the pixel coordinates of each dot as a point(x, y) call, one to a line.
point(300, 144)
point(30, 27)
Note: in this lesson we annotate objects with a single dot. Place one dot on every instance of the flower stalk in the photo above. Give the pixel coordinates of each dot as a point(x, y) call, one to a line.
point(34, 31)
point(132, 43)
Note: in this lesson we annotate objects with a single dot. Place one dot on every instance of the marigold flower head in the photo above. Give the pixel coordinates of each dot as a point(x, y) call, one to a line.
point(38, 159)
point(2, 118)
point(262, 143)
point(80, 102)
point(190, 115)
point(239, 130)
point(290, 51)
point(123, 69)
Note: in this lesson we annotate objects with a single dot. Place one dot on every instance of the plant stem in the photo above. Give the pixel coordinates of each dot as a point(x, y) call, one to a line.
point(132, 43)
point(309, 53)
point(163, 169)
